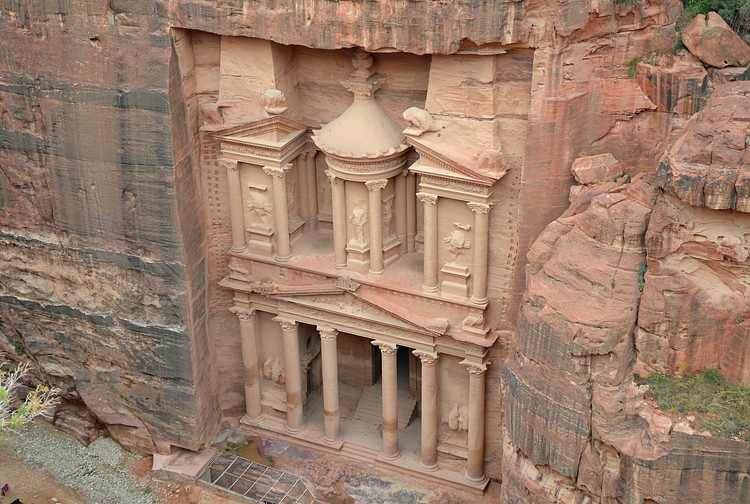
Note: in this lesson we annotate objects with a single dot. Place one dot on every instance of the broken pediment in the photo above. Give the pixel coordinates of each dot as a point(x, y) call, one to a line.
point(272, 140)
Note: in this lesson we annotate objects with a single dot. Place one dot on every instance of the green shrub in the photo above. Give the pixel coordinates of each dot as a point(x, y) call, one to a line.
point(723, 408)
point(632, 64)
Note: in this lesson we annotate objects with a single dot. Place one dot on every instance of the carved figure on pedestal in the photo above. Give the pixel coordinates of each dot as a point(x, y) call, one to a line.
point(274, 371)
point(492, 162)
point(260, 208)
point(419, 121)
point(458, 418)
point(457, 241)
point(291, 198)
point(273, 101)
point(359, 226)
point(388, 224)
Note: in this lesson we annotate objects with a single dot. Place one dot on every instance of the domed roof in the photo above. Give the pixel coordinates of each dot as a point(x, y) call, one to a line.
point(364, 130)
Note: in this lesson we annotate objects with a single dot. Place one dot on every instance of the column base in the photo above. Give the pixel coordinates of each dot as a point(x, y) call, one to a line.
point(251, 421)
point(389, 458)
point(238, 250)
point(334, 443)
point(339, 266)
point(477, 481)
point(291, 431)
point(482, 301)
point(279, 258)
point(429, 468)
point(430, 288)
point(376, 273)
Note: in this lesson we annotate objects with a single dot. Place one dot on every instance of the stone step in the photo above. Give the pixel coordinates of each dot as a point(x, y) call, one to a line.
point(370, 406)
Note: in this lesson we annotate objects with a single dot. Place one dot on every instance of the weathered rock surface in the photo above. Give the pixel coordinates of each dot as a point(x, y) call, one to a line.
point(595, 169)
point(710, 164)
point(577, 428)
point(680, 85)
point(712, 40)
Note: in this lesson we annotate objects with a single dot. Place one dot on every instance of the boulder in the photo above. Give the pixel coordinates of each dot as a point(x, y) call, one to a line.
point(595, 169)
point(713, 41)
point(679, 86)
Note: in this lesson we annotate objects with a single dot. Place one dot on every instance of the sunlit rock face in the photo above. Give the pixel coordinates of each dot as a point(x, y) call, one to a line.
point(114, 210)
point(667, 292)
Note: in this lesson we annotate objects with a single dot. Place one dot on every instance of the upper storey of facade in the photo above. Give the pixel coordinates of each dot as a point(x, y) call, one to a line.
point(399, 217)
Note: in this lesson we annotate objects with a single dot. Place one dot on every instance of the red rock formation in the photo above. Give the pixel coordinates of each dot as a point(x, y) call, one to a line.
point(712, 40)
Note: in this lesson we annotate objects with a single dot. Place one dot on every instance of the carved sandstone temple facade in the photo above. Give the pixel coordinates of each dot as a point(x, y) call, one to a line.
point(362, 305)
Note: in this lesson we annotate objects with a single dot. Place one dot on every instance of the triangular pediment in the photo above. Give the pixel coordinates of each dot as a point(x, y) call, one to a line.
point(438, 159)
point(275, 131)
point(351, 305)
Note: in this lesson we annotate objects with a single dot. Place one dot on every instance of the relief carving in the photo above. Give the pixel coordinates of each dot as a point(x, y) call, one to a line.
point(458, 418)
point(388, 224)
point(273, 370)
point(475, 321)
point(273, 101)
point(419, 121)
point(458, 241)
point(291, 198)
point(358, 221)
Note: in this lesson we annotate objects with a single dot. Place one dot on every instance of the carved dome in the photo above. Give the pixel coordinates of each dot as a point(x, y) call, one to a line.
point(364, 130)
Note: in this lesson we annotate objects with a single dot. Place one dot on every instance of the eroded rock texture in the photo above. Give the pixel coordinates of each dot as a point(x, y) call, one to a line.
point(576, 427)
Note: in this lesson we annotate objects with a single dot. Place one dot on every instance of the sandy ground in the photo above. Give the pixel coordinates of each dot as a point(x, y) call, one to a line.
point(335, 479)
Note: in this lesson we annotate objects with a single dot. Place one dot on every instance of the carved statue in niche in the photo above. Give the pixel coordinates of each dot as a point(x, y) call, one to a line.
point(458, 241)
point(291, 199)
point(388, 224)
point(274, 371)
point(458, 418)
point(359, 226)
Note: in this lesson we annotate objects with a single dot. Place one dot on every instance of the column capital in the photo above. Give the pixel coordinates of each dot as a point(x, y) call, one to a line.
point(427, 358)
point(286, 324)
point(480, 208)
point(327, 333)
point(474, 368)
point(332, 177)
point(310, 153)
point(427, 199)
point(243, 313)
point(277, 172)
point(229, 164)
point(385, 347)
point(376, 185)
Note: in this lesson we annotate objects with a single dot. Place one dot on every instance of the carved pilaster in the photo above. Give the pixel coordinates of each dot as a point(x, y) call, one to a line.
point(430, 241)
point(338, 202)
point(429, 409)
point(481, 250)
point(376, 225)
point(388, 351)
point(281, 210)
point(475, 444)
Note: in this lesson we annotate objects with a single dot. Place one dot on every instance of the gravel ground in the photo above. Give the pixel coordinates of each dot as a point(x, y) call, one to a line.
point(100, 471)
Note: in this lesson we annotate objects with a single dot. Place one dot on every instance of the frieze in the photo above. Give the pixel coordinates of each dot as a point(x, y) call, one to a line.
point(460, 185)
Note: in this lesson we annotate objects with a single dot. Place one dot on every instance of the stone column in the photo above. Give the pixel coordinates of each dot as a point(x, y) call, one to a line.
point(390, 450)
point(475, 445)
point(430, 241)
point(338, 197)
point(280, 210)
point(312, 185)
point(376, 225)
point(249, 345)
point(293, 375)
point(411, 211)
point(401, 212)
point(481, 244)
point(237, 216)
point(302, 182)
point(329, 359)
point(429, 409)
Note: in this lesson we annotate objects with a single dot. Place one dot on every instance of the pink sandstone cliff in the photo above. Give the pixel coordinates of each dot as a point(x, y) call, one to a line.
point(113, 221)
point(577, 428)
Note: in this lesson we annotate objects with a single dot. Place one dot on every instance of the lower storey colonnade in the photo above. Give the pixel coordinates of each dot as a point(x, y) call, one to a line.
point(389, 447)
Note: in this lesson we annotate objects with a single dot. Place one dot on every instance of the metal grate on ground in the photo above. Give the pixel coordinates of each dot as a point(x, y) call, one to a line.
point(256, 482)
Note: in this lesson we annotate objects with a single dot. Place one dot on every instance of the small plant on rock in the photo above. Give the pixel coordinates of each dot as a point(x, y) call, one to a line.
point(39, 402)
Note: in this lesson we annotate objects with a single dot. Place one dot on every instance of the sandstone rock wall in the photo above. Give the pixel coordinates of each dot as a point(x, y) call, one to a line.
point(577, 428)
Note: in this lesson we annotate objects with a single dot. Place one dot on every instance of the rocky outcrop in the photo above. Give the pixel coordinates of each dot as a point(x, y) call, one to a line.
point(577, 427)
point(710, 164)
point(712, 40)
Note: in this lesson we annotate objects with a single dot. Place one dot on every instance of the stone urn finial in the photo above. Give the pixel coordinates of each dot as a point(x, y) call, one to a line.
point(362, 63)
point(273, 101)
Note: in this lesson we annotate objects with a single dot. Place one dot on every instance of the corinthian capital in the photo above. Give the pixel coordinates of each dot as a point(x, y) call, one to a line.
point(286, 324)
point(243, 313)
point(427, 358)
point(386, 348)
point(277, 172)
point(480, 208)
point(376, 185)
point(229, 164)
point(327, 333)
point(427, 199)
